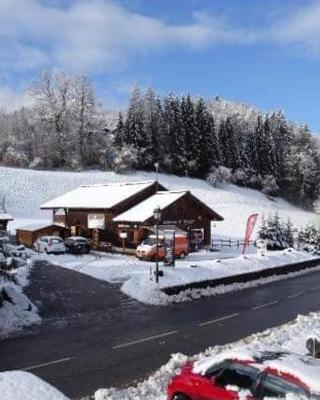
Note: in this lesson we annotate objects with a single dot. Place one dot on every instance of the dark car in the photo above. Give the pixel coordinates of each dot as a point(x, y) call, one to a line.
point(77, 245)
point(233, 376)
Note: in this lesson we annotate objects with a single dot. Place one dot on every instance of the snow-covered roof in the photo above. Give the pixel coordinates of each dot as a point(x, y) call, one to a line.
point(6, 217)
point(99, 196)
point(144, 210)
point(304, 368)
point(38, 225)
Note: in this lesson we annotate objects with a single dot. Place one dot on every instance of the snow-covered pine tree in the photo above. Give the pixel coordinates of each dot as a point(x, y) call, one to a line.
point(119, 133)
point(175, 161)
point(154, 128)
point(135, 133)
point(191, 135)
point(207, 152)
point(288, 233)
point(228, 145)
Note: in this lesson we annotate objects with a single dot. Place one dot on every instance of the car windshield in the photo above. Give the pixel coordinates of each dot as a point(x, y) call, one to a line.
point(55, 241)
point(80, 241)
point(149, 242)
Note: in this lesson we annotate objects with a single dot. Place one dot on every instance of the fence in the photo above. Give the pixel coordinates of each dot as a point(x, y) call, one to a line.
point(220, 243)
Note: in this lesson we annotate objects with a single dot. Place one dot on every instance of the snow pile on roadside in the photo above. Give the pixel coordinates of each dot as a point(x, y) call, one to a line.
point(290, 337)
point(16, 311)
point(24, 385)
point(27, 189)
point(142, 288)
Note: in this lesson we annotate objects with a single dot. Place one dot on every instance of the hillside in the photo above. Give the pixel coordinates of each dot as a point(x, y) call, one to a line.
point(26, 189)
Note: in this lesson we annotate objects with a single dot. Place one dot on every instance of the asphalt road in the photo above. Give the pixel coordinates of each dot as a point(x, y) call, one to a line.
point(94, 336)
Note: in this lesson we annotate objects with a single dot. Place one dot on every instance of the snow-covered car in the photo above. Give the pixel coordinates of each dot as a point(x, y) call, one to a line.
point(77, 245)
point(49, 245)
point(262, 375)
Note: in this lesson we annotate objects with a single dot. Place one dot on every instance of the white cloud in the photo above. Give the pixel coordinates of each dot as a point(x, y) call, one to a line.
point(300, 28)
point(98, 33)
point(11, 100)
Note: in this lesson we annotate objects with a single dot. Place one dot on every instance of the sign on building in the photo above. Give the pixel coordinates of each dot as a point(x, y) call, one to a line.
point(96, 221)
point(169, 245)
point(261, 247)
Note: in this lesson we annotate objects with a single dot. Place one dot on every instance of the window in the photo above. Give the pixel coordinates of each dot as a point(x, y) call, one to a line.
point(242, 376)
point(277, 387)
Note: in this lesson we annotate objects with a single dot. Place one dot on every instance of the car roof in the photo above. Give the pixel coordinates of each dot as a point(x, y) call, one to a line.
point(77, 238)
point(50, 237)
point(300, 369)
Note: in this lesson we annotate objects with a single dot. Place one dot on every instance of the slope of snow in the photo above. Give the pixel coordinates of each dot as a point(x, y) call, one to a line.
point(25, 190)
point(16, 385)
point(290, 337)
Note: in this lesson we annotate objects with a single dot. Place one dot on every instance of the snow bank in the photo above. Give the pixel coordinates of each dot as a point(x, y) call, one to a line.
point(27, 189)
point(143, 288)
point(289, 337)
point(19, 311)
point(16, 385)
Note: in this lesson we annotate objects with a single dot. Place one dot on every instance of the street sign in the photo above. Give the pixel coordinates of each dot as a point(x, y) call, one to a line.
point(261, 247)
point(169, 245)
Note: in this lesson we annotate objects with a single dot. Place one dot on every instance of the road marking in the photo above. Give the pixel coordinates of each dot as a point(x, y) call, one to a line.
point(315, 287)
point(147, 339)
point(272, 303)
point(213, 321)
point(46, 364)
point(295, 295)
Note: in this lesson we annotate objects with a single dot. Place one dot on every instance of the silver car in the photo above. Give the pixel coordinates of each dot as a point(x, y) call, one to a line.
point(49, 245)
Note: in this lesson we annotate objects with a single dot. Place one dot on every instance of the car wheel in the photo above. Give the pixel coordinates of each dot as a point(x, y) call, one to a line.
point(180, 396)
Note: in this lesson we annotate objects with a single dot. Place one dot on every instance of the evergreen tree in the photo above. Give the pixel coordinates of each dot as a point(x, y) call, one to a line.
point(119, 134)
point(228, 145)
point(175, 160)
point(135, 132)
point(207, 150)
point(191, 135)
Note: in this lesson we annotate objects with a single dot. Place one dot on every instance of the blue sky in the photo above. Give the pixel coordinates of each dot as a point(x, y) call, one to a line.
point(264, 53)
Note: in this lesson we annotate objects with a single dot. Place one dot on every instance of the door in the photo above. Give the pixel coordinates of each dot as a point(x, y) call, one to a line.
point(277, 387)
point(236, 378)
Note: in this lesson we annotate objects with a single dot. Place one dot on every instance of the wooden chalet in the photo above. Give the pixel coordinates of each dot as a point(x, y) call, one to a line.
point(178, 208)
point(89, 210)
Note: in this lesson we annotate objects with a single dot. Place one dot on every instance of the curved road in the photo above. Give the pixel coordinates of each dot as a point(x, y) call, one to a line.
point(94, 336)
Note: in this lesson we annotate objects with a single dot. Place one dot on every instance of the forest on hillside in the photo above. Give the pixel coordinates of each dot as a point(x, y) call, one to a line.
point(213, 139)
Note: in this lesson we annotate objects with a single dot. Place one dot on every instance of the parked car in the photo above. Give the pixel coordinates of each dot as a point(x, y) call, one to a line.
point(77, 245)
point(147, 249)
point(49, 244)
point(254, 376)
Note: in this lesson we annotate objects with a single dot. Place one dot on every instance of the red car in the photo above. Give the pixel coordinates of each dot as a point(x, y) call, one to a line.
point(231, 376)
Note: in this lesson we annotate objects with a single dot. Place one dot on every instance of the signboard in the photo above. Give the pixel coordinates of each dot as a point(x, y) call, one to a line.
point(123, 235)
point(73, 230)
point(169, 246)
point(261, 247)
point(250, 225)
point(96, 221)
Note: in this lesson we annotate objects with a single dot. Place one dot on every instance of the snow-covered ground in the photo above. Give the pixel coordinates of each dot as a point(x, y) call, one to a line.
point(290, 337)
point(21, 312)
point(137, 276)
point(16, 385)
point(25, 190)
